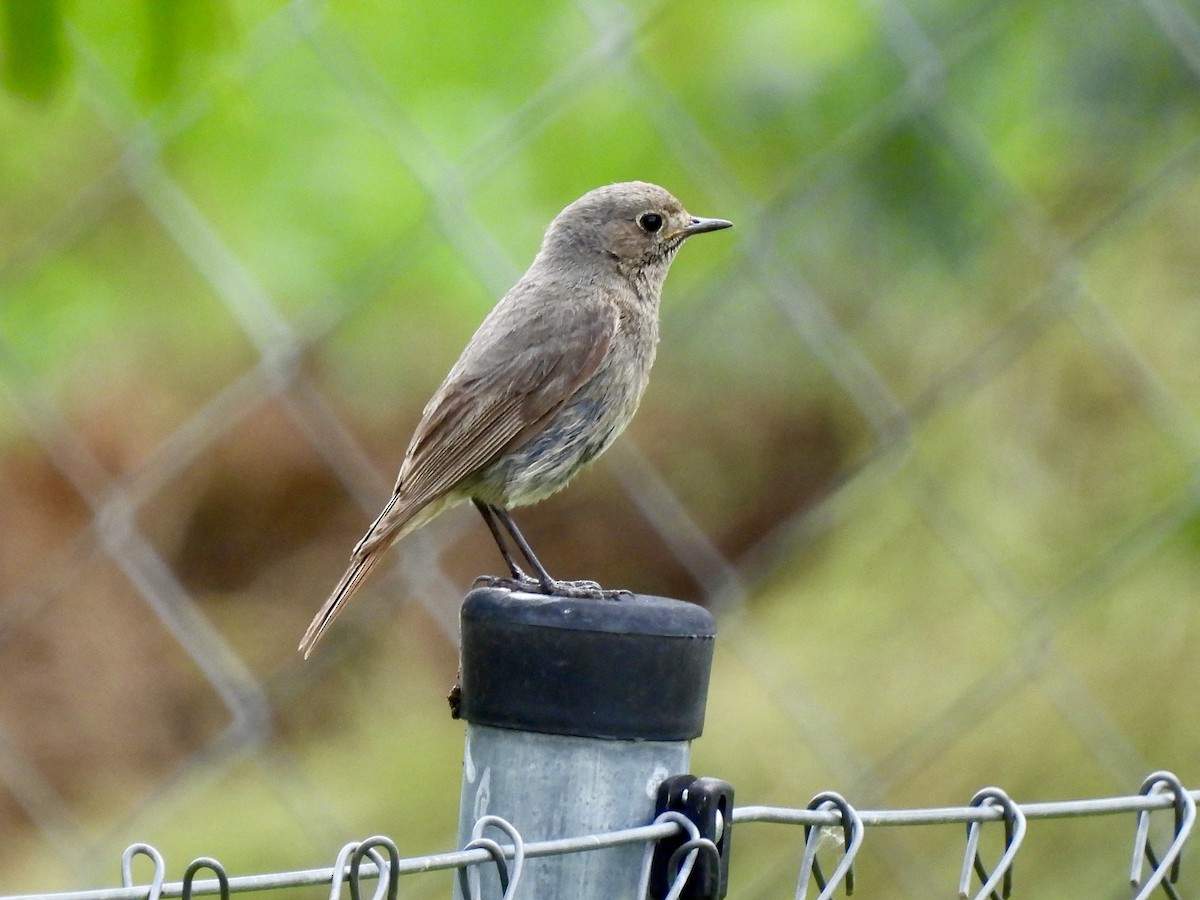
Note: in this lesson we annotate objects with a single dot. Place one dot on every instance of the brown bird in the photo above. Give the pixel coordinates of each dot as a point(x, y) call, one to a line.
point(552, 376)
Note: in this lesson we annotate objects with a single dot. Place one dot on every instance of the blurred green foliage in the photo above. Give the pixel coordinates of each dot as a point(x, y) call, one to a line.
point(936, 396)
point(179, 38)
point(35, 61)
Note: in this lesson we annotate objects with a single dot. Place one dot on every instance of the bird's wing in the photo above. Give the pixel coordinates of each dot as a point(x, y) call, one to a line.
point(528, 358)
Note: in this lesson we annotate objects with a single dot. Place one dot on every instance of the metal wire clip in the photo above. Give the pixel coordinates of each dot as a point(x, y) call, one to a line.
point(1014, 833)
point(1166, 870)
point(352, 855)
point(673, 888)
point(852, 832)
point(160, 868)
point(509, 878)
point(204, 862)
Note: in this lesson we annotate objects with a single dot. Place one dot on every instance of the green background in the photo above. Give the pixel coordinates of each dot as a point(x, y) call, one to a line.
point(924, 429)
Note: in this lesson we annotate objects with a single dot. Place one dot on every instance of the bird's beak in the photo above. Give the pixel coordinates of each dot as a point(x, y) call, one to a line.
point(699, 226)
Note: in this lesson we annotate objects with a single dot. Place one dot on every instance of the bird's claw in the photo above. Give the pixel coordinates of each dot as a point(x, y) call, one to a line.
point(589, 590)
point(523, 582)
point(585, 589)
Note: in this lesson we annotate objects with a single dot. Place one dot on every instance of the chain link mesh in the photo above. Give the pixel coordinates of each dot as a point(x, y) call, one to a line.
point(924, 433)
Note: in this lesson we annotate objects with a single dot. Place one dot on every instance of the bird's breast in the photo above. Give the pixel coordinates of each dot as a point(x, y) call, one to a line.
point(582, 428)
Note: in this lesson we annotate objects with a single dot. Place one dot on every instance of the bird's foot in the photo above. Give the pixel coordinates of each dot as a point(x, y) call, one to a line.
point(519, 582)
point(588, 589)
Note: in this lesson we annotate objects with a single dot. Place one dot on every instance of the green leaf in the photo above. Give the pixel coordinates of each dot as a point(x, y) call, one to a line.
point(33, 50)
point(177, 32)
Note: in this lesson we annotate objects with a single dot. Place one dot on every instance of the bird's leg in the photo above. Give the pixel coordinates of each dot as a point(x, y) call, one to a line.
point(520, 580)
point(543, 581)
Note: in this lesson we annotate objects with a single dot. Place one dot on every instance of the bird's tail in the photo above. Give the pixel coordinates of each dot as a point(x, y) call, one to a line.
point(399, 517)
point(350, 582)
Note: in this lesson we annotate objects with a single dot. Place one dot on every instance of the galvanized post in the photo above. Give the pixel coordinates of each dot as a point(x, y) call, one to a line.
point(577, 710)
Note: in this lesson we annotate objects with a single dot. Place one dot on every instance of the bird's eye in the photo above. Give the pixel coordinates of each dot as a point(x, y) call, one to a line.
point(650, 222)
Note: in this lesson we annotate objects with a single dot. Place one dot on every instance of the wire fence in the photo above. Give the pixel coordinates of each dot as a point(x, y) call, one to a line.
point(829, 819)
point(965, 546)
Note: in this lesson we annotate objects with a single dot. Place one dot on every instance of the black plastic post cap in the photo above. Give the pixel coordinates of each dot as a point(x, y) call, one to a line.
point(634, 668)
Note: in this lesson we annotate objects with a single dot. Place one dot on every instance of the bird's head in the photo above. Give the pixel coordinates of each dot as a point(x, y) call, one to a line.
point(634, 224)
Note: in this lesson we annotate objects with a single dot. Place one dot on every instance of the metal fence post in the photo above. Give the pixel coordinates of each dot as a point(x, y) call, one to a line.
point(577, 710)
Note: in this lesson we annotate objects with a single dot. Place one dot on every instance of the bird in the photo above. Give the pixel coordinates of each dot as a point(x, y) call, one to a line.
point(551, 377)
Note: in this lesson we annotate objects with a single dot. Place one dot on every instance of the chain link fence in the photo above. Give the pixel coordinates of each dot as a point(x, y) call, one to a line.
point(829, 821)
point(923, 434)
